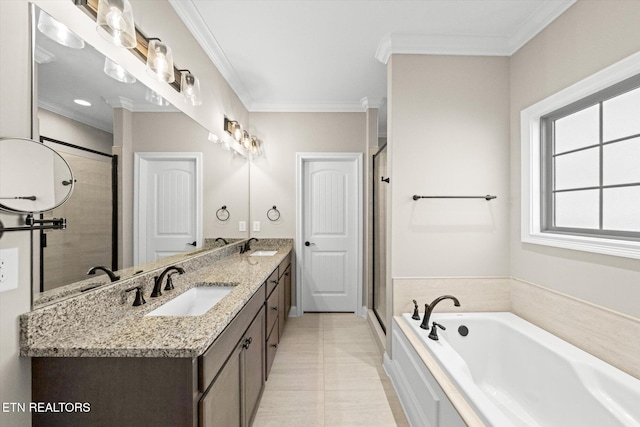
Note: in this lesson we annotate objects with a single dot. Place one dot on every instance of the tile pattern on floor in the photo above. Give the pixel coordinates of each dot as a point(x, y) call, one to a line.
point(328, 372)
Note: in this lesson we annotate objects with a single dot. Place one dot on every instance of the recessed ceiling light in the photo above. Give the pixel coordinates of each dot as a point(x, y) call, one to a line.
point(82, 102)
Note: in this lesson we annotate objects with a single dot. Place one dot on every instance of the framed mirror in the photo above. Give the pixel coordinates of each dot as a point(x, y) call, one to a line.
point(33, 177)
point(99, 142)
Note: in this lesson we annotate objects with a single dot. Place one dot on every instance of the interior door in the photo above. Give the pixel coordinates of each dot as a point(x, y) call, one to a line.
point(168, 205)
point(330, 207)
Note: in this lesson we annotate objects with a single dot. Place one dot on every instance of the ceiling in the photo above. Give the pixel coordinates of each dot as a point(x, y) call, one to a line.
point(330, 55)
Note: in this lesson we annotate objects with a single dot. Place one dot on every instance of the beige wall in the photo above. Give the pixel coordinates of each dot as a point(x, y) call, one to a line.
point(15, 120)
point(449, 135)
point(58, 127)
point(273, 178)
point(225, 176)
point(588, 37)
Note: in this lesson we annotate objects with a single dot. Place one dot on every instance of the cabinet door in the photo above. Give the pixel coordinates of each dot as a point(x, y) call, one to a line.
point(287, 294)
point(221, 404)
point(253, 366)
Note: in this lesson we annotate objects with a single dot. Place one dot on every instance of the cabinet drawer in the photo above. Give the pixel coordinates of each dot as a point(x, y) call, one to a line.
point(272, 347)
point(273, 308)
point(286, 262)
point(272, 282)
point(216, 355)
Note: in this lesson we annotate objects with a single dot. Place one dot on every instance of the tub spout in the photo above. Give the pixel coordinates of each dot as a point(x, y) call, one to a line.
point(428, 308)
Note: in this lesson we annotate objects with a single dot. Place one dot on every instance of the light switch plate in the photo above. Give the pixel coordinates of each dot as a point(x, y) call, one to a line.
point(256, 225)
point(242, 225)
point(8, 269)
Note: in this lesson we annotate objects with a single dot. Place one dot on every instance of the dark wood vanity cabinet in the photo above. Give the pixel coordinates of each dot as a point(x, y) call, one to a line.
point(233, 396)
point(220, 388)
point(278, 307)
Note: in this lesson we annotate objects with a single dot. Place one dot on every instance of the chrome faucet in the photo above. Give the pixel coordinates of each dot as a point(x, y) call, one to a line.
point(110, 273)
point(157, 285)
point(428, 308)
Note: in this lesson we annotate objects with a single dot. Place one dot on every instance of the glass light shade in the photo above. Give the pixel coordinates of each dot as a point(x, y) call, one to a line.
point(116, 72)
point(58, 32)
point(246, 140)
point(160, 61)
point(153, 97)
point(115, 22)
point(190, 88)
point(256, 148)
point(237, 132)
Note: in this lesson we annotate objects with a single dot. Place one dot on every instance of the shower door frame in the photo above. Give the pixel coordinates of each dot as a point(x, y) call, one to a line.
point(114, 205)
point(373, 238)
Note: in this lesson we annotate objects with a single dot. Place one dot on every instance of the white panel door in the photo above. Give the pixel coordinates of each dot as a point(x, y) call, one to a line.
point(168, 207)
point(330, 206)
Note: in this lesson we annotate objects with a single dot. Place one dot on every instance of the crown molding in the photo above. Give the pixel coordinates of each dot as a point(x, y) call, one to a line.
point(367, 103)
point(546, 13)
point(308, 107)
point(189, 14)
point(86, 119)
point(43, 56)
point(482, 45)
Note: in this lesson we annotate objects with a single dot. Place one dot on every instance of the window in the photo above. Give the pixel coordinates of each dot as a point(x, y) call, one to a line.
point(591, 165)
point(580, 164)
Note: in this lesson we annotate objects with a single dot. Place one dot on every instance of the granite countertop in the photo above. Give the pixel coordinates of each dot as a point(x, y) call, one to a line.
point(127, 332)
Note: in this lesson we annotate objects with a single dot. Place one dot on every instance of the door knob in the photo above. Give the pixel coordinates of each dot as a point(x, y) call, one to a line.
point(192, 244)
point(308, 243)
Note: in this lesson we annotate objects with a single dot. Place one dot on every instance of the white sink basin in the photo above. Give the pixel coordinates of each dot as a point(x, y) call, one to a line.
point(194, 302)
point(264, 253)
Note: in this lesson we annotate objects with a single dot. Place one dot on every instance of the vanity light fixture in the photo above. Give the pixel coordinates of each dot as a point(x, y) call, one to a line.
point(115, 22)
point(160, 60)
point(190, 88)
point(58, 32)
point(117, 72)
point(234, 129)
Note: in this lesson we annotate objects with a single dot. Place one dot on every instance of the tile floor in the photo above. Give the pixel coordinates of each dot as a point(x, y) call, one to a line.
point(328, 372)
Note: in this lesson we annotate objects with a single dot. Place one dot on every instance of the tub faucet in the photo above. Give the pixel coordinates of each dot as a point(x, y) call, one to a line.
point(157, 285)
point(428, 308)
point(110, 273)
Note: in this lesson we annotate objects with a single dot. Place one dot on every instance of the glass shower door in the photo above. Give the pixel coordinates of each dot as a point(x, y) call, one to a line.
point(379, 236)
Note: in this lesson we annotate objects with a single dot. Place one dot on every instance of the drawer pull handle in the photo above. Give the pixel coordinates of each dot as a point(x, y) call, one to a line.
point(247, 343)
point(274, 345)
point(274, 308)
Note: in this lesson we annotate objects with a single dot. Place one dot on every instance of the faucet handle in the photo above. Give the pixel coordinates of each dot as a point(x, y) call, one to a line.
point(139, 295)
point(416, 313)
point(434, 332)
point(169, 286)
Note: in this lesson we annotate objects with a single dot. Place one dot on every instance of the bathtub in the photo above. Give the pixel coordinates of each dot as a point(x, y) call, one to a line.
point(512, 373)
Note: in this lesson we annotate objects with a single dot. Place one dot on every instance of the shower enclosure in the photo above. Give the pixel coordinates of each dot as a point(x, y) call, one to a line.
point(379, 273)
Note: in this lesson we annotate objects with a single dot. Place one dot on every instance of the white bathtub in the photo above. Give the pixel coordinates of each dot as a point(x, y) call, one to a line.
point(513, 373)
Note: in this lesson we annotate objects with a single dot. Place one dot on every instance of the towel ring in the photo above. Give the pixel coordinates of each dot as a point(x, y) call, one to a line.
point(273, 214)
point(223, 214)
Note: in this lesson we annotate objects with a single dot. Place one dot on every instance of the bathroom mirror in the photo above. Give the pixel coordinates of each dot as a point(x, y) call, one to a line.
point(33, 177)
point(99, 142)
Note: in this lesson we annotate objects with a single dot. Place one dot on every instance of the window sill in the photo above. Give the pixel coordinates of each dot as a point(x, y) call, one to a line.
point(620, 248)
